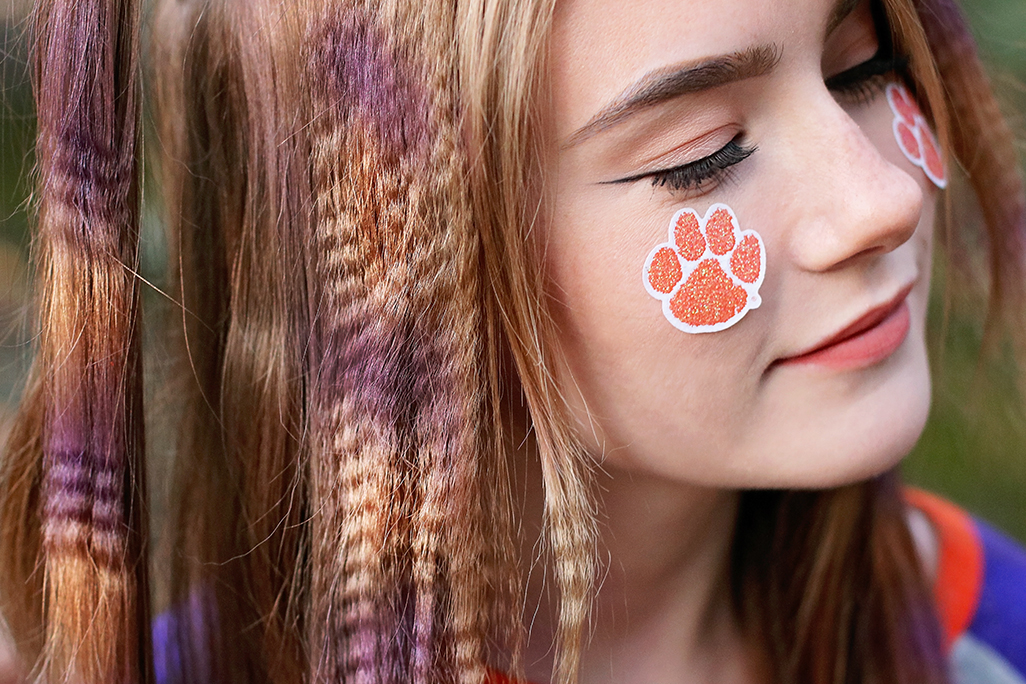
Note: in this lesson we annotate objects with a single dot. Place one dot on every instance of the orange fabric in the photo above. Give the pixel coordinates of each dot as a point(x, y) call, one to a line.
point(496, 677)
point(959, 562)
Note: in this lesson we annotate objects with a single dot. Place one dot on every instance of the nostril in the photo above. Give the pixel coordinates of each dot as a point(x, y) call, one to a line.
point(865, 254)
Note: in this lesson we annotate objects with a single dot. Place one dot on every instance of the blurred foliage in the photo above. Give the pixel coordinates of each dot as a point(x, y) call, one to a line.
point(1000, 30)
point(973, 449)
point(16, 132)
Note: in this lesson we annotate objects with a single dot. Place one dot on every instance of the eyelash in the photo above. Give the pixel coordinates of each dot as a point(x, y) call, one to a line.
point(864, 81)
point(715, 167)
point(859, 85)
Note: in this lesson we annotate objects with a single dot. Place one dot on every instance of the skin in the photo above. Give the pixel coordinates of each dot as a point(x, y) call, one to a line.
point(680, 422)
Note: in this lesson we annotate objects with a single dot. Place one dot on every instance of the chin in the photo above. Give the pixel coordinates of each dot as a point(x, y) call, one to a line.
point(840, 430)
point(874, 433)
point(872, 453)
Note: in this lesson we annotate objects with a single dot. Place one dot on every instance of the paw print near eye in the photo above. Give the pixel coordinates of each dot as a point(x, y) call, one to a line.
point(914, 136)
point(707, 275)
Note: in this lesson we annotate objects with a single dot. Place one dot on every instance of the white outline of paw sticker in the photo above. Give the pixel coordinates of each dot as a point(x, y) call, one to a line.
point(697, 275)
point(913, 133)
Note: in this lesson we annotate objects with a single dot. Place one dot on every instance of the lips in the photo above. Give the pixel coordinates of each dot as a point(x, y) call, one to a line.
point(869, 339)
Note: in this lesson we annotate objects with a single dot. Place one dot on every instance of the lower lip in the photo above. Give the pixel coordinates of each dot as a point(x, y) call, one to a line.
point(865, 349)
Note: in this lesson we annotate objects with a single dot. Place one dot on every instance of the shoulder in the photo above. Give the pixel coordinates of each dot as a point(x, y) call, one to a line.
point(999, 622)
point(980, 589)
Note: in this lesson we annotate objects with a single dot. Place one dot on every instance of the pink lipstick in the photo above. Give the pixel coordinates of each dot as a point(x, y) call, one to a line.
point(867, 341)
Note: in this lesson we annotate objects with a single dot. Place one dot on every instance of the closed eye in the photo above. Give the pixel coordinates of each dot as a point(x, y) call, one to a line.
point(864, 81)
point(861, 83)
point(700, 172)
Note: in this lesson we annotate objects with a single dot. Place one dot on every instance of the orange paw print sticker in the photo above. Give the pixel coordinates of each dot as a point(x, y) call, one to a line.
point(708, 274)
point(914, 136)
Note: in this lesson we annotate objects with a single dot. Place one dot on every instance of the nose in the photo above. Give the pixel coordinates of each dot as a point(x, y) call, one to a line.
point(857, 202)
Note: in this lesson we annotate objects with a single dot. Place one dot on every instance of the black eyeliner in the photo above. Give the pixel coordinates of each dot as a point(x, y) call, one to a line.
point(860, 73)
point(697, 172)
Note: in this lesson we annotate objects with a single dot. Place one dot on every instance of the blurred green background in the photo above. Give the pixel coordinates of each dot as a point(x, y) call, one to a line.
point(974, 447)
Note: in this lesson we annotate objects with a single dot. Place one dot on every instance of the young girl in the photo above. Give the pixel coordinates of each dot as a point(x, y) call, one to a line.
point(530, 340)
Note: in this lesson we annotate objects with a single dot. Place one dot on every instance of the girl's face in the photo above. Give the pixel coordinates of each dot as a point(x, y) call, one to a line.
point(777, 109)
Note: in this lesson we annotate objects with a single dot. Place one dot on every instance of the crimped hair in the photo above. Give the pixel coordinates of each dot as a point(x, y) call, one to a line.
point(75, 584)
point(350, 188)
point(317, 188)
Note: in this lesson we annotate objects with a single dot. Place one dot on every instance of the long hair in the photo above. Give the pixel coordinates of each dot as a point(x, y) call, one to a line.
point(74, 529)
point(350, 187)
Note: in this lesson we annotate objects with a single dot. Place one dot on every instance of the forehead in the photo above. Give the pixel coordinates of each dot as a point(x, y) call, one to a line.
point(600, 47)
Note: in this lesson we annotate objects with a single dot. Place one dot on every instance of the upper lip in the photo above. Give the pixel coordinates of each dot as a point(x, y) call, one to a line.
point(861, 324)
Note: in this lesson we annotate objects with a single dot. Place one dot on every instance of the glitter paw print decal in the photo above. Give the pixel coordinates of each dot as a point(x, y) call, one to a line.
point(914, 136)
point(708, 273)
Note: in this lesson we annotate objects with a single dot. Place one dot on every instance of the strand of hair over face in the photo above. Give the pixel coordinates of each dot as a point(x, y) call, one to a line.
point(503, 93)
point(73, 485)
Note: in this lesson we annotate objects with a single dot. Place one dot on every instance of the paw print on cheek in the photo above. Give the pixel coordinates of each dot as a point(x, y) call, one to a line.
point(708, 273)
point(914, 136)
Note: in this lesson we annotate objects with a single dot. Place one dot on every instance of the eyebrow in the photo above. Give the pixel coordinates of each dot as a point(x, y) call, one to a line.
point(669, 83)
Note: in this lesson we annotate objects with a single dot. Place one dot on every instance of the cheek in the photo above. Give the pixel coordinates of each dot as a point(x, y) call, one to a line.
point(588, 256)
point(708, 272)
point(593, 258)
point(630, 375)
point(897, 127)
point(914, 136)
point(693, 406)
